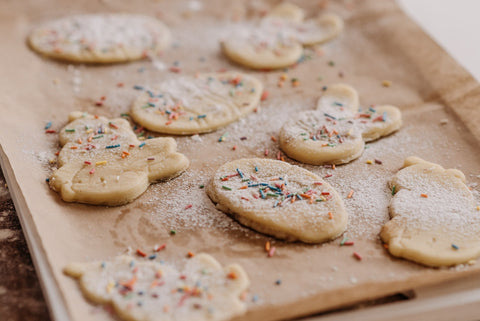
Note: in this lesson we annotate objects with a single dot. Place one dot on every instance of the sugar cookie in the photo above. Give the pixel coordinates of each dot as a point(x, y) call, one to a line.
point(102, 161)
point(335, 132)
point(100, 38)
point(433, 216)
point(190, 105)
point(278, 40)
point(276, 198)
point(149, 290)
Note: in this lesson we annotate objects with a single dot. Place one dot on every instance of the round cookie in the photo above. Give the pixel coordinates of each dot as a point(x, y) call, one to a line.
point(276, 198)
point(150, 290)
point(100, 38)
point(102, 162)
point(277, 41)
point(191, 105)
point(433, 217)
point(335, 132)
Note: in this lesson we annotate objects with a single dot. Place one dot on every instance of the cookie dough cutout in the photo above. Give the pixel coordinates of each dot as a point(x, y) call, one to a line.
point(336, 132)
point(148, 290)
point(433, 217)
point(100, 38)
point(102, 162)
point(276, 198)
point(191, 105)
point(277, 42)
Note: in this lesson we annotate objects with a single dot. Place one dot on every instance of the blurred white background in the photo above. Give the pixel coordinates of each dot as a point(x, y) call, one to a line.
point(454, 24)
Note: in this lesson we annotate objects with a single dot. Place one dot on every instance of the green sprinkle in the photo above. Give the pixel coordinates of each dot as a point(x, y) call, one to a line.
point(272, 195)
point(331, 63)
point(318, 200)
point(343, 241)
point(303, 134)
point(97, 137)
point(393, 189)
point(70, 130)
point(173, 232)
point(226, 187)
point(201, 186)
point(125, 115)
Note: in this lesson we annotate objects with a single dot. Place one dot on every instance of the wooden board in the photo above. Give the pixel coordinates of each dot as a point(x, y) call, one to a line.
point(379, 43)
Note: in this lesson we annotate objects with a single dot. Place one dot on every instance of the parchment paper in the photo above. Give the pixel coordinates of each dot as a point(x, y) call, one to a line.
point(379, 43)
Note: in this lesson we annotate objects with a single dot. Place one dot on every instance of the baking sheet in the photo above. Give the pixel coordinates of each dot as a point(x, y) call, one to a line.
point(379, 43)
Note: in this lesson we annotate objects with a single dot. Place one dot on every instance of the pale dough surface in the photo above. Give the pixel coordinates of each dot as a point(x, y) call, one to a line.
point(100, 38)
point(102, 161)
point(335, 132)
point(276, 198)
point(190, 105)
point(433, 216)
point(278, 40)
point(158, 291)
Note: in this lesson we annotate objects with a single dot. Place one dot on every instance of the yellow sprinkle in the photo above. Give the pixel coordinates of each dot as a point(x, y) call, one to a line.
point(386, 83)
point(472, 262)
point(89, 131)
point(478, 208)
point(101, 163)
point(141, 138)
point(110, 286)
point(283, 77)
point(52, 161)
point(369, 161)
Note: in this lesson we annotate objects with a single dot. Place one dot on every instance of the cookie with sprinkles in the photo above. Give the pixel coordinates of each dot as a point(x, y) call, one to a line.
point(102, 162)
point(276, 198)
point(200, 104)
point(100, 38)
point(434, 220)
point(278, 40)
point(150, 290)
point(336, 132)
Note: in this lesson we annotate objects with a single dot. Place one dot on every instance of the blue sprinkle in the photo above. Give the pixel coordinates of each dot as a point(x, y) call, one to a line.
point(278, 282)
point(455, 246)
point(47, 180)
point(255, 298)
point(324, 88)
point(141, 145)
point(141, 69)
point(151, 104)
point(329, 116)
point(137, 87)
point(202, 116)
point(275, 204)
point(262, 194)
point(337, 104)
point(191, 117)
point(112, 146)
point(372, 110)
point(299, 197)
point(48, 125)
point(132, 263)
point(152, 257)
point(240, 173)
point(103, 265)
point(168, 112)
point(384, 117)
point(256, 169)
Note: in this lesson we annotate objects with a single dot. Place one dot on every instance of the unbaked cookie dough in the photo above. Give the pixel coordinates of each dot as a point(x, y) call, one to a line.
point(191, 105)
point(100, 38)
point(278, 40)
point(433, 217)
point(102, 162)
point(336, 132)
point(148, 290)
point(276, 198)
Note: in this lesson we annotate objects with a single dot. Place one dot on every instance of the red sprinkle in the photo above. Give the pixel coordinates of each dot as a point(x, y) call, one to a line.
point(160, 247)
point(120, 84)
point(188, 206)
point(350, 243)
point(357, 256)
point(50, 131)
point(141, 253)
point(92, 170)
point(328, 175)
point(87, 163)
point(175, 69)
point(266, 152)
point(264, 95)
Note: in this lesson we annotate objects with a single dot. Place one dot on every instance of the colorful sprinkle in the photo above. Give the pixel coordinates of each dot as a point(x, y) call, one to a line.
point(173, 232)
point(393, 189)
point(272, 251)
point(48, 125)
point(357, 256)
point(70, 130)
point(112, 146)
point(455, 246)
point(141, 253)
point(265, 95)
point(424, 195)
point(101, 163)
point(226, 188)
